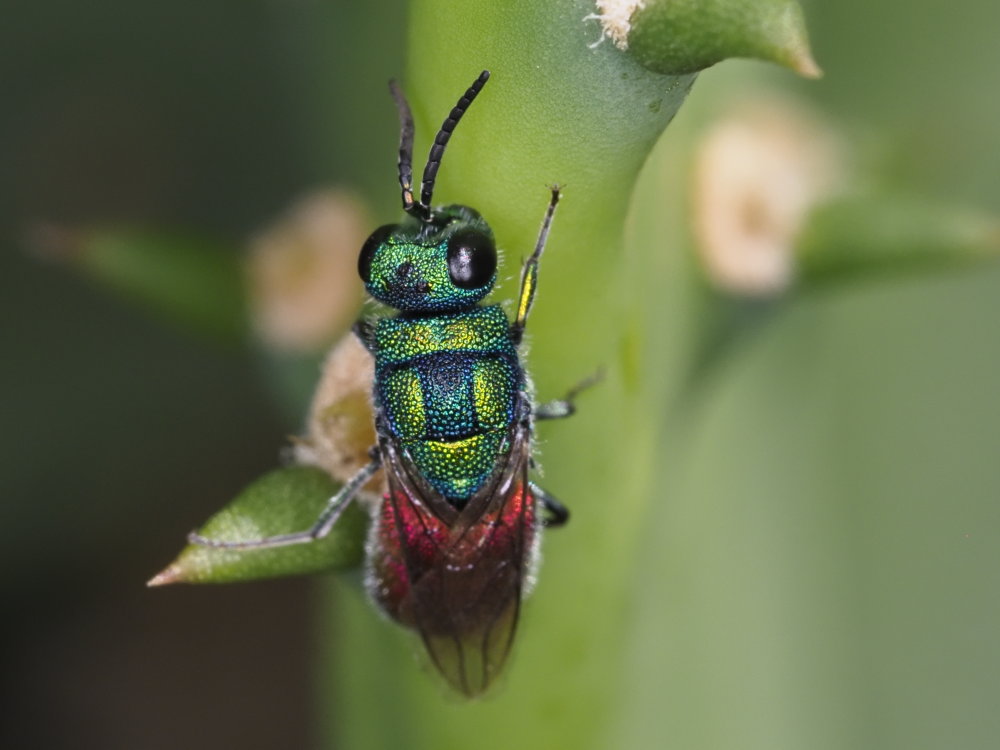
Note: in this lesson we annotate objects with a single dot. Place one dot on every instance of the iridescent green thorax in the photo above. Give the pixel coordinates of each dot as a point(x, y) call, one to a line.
point(446, 388)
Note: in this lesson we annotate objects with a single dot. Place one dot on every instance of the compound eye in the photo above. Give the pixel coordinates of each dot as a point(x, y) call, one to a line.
point(373, 243)
point(472, 259)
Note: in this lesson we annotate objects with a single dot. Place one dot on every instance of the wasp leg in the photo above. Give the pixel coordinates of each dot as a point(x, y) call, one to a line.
point(334, 507)
point(558, 514)
point(529, 274)
point(558, 409)
point(566, 406)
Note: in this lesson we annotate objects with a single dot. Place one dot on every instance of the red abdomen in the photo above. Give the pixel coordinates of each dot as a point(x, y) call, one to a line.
point(456, 576)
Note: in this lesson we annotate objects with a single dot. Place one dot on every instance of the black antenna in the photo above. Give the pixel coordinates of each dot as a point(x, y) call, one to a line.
point(441, 140)
point(405, 147)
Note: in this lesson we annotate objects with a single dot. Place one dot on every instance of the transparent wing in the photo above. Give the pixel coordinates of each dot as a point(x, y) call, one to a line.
point(457, 576)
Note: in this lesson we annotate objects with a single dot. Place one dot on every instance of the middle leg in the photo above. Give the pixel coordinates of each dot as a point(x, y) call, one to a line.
point(566, 406)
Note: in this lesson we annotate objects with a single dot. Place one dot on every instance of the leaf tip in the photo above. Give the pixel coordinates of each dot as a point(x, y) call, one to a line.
point(781, 37)
point(802, 62)
point(173, 573)
point(52, 242)
point(790, 47)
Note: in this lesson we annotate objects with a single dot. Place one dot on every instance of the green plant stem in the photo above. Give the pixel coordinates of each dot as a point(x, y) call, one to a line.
point(555, 111)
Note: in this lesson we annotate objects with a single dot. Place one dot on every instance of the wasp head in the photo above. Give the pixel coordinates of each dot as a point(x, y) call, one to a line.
point(443, 264)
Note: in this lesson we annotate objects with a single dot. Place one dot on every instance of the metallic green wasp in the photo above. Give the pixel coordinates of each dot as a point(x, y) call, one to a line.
point(453, 541)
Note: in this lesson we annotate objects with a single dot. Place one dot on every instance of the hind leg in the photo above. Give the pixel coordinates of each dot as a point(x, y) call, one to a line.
point(558, 514)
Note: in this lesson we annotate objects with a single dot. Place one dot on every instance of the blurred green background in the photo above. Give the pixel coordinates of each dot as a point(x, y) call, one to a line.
point(823, 562)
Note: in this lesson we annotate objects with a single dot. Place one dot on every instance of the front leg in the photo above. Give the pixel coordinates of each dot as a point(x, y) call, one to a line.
point(529, 274)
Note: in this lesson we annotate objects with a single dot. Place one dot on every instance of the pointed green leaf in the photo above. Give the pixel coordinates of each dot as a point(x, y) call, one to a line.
point(885, 233)
point(285, 500)
point(193, 282)
point(685, 36)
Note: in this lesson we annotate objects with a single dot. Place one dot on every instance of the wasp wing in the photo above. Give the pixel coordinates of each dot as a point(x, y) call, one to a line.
point(457, 575)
